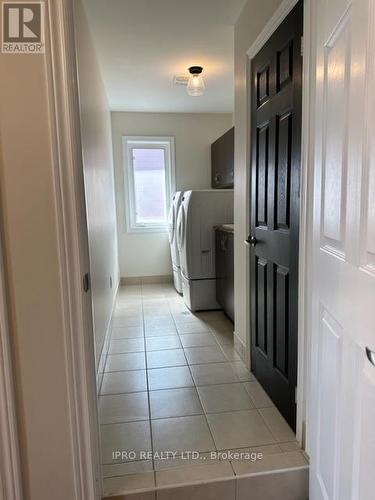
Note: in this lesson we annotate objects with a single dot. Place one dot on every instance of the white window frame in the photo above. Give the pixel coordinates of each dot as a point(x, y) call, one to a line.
point(144, 142)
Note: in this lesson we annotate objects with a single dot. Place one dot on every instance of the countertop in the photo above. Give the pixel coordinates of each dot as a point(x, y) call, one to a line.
point(226, 227)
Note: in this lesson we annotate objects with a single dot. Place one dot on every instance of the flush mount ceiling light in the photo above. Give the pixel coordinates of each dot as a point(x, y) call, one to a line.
point(195, 86)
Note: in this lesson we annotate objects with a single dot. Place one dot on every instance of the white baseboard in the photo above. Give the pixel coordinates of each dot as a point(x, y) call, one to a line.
point(105, 348)
point(242, 350)
point(103, 357)
point(146, 280)
point(10, 464)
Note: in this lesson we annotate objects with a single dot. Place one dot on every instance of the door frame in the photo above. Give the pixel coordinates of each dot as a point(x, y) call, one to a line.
point(74, 260)
point(305, 213)
point(63, 92)
point(10, 463)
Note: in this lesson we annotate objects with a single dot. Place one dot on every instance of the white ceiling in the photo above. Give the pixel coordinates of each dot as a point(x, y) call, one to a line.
point(142, 44)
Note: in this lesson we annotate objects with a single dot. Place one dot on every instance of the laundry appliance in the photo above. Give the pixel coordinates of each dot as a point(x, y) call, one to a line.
point(172, 228)
point(199, 213)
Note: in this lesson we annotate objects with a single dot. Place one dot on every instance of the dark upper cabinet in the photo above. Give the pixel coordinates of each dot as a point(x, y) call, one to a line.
point(222, 161)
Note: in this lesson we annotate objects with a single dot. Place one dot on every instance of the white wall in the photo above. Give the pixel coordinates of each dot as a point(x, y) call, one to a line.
point(149, 254)
point(250, 23)
point(28, 225)
point(99, 181)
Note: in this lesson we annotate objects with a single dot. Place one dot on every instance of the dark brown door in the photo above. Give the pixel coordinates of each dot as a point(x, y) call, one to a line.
point(276, 108)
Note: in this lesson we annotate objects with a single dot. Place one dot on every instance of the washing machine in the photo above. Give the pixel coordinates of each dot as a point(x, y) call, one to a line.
point(199, 213)
point(172, 228)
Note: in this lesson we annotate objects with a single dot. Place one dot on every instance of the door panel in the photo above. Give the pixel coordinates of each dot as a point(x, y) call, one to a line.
point(261, 306)
point(283, 171)
point(342, 405)
point(282, 319)
point(368, 185)
point(337, 66)
point(262, 175)
point(284, 66)
point(230, 276)
point(369, 196)
point(364, 457)
point(275, 170)
point(221, 264)
point(330, 352)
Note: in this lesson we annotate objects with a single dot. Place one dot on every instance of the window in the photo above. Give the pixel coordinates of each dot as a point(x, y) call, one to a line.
point(149, 182)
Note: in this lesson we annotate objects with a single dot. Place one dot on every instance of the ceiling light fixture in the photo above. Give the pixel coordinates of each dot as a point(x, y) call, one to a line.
point(195, 86)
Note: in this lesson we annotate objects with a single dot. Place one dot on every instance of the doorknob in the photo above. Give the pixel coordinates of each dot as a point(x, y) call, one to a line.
point(370, 356)
point(251, 240)
point(217, 178)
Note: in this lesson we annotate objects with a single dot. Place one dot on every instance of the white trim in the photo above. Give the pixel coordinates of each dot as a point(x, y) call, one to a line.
point(73, 248)
point(305, 220)
point(10, 466)
point(168, 144)
point(247, 208)
point(241, 348)
point(105, 348)
point(303, 338)
point(272, 24)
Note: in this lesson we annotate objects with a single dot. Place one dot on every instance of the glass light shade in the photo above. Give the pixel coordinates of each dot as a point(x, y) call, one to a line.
point(196, 85)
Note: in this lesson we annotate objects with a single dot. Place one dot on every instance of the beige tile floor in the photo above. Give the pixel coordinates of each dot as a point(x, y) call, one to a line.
point(174, 383)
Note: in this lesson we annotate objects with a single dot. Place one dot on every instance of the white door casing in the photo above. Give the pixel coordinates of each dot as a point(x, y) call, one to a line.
point(74, 253)
point(10, 464)
point(342, 404)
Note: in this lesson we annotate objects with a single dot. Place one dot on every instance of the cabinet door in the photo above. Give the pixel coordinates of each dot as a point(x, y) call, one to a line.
point(220, 268)
point(229, 276)
point(222, 161)
point(225, 271)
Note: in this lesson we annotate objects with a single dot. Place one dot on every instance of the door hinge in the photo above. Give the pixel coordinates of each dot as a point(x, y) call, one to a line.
point(302, 47)
point(86, 282)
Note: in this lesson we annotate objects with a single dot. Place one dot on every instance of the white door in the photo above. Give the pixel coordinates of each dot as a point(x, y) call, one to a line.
point(342, 405)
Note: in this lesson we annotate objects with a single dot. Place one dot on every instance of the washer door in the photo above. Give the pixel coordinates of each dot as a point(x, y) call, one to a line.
point(181, 228)
point(172, 221)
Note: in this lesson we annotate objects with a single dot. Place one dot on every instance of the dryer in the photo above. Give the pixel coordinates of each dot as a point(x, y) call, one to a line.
point(199, 213)
point(172, 228)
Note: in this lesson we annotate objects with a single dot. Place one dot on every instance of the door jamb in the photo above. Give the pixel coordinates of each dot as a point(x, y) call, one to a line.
point(303, 274)
point(74, 260)
point(79, 359)
point(10, 463)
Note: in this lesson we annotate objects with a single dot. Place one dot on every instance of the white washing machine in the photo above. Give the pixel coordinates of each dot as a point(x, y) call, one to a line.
point(199, 213)
point(172, 226)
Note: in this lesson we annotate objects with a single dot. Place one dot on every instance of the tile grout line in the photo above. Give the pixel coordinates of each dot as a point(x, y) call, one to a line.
point(104, 372)
point(239, 380)
point(267, 425)
point(196, 390)
point(148, 391)
point(203, 408)
point(199, 396)
point(184, 386)
point(205, 413)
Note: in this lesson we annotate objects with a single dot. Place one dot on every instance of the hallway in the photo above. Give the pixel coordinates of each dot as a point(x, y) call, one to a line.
point(174, 383)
